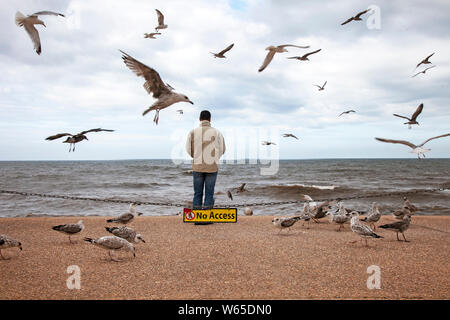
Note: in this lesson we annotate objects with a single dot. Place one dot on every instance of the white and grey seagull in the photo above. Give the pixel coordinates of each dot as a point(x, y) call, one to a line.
point(70, 228)
point(126, 217)
point(417, 149)
point(274, 49)
point(112, 243)
point(221, 53)
point(161, 24)
point(154, 85)
point(28, 23)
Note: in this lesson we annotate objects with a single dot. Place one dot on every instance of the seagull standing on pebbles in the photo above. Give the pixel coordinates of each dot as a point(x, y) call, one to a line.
point(360, 229)
point(112, 243)
point(161, 24)
point(8, 242)
point(126, 233)
point(413, 119)
point(399, 226)
point(221, 53)
point(154, 85)
point(29, 22)
point(70, 229)
point(341, 217)
point(284, 222)
point(415, 149)
point(272, 50)
point(126, 217)
point(373, 216)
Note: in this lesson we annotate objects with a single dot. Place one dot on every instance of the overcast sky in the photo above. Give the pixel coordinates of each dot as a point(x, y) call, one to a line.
point(80, 82)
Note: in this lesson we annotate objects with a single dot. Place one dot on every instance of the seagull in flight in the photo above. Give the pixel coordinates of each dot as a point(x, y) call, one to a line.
point(29, 22)
point(321, 87)
point(274, 49)
point(75, 138)
point(154, 85)
point(423, 71)
point(355, 18)
point(413, 118)
point(221, 53)
point(161, 24)
point(417, 149)
point(151, 35)
point(267, 143)
point(287, 135)
point(425, 61)
point(305, 56)
point(346, 112)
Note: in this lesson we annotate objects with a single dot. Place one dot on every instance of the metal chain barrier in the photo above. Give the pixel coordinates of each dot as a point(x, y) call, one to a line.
point(273, 203)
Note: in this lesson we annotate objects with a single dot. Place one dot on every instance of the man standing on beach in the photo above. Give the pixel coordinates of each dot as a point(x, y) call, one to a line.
point(205, 145)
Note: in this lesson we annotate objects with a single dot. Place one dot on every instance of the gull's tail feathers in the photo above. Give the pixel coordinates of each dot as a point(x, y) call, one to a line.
point(20, 18)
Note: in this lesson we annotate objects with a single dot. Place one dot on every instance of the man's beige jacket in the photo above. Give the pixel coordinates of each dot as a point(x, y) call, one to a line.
point(205, 145)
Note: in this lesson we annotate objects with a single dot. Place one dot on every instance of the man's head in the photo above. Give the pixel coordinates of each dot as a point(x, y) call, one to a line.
point(205, 115)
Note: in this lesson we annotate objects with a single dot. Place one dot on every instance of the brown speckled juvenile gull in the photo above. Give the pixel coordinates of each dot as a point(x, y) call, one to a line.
point(360, 229)
point(425, 61)
point(154, 85)
point(373, 216)
point(29, 22)
point(112, 243)
point(70, 228)
point(151, 35)
point(161, 24)
point(8, 242)
point(284, 222)
point(125, 233)
point(340, 217)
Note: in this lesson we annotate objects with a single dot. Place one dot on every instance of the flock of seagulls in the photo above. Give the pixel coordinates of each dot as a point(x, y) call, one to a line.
point(166, 96)
point(122, 237)
point(340, 215)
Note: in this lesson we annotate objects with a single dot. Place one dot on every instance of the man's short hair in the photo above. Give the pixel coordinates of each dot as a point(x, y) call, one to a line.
point(205, 115)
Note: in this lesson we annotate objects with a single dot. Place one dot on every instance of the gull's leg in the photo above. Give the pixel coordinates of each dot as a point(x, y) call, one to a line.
point(397, 237)
point(156, 118)
point(111, 255)
point(70, 240)
point(404, 237)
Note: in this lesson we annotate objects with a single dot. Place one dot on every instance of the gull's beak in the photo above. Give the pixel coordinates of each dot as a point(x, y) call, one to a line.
point(143, 240)
point(190, 102)
point(87, 138)
point(44, 25)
